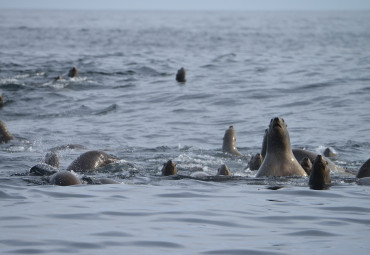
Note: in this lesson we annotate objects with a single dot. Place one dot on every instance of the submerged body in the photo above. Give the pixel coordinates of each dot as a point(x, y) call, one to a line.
point(91, 160)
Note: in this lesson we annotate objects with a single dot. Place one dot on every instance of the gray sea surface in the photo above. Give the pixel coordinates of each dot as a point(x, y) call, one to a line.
point(243, 68)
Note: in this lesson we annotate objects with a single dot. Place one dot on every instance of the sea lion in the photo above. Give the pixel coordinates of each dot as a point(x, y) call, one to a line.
point(229, 143)
point(181, 75)
point(52, 159)
point(5, 135)
point(43, 169)
point(279, 160)
point(255, 162)
point(169, 168)
point(64, 178)
point(306, 165)
point(91, 160)
point(73, 72)
point(223, 170)
point(330, 153)
point(320, 174)
point(364, 170)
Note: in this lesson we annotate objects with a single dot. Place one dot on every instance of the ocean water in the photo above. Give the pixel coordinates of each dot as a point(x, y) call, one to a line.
point(243, 68)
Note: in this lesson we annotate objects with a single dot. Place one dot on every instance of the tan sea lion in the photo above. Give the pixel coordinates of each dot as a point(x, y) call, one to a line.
point(181, 75)
point(64, 178)
point(279, 160)
point(229, 143)
point(223, 170)
point(5, 135)
point(306, 165)
point(169, 168)
point(364, 170)
point(320, 174)
point(73, 72)
point(90, 161)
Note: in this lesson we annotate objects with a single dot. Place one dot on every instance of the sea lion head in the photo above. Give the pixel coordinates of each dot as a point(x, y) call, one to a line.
point(73, 72)
point(181, 75)
point(229, 144)
point(255, 162)
point(223, 170)
point(64, 178)
point(306, 165)
point(320, 174)
point(278, 135)
point(169, 168)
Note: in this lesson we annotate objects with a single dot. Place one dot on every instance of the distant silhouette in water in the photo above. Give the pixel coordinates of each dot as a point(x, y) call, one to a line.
point(181, 75)
point(1, 101)
point(73, 72)
point(224, 170)
point(364, 170)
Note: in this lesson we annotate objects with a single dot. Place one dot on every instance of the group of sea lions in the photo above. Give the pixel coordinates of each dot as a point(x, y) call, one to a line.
point(277, 158)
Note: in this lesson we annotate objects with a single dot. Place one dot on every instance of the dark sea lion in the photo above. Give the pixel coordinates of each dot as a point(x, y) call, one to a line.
point(364, 170)
point(181, 75)
point(255, 162)
point(52, 158)
point(330, 153)
point(43, 169)
point(5, 135)
point(306, 165)
point(279, 160)
point(169, 168)
point(223, 170)
point(64, 178)
point(73, 73)
point(320, 174)
point(91, 160)
point(229, 143)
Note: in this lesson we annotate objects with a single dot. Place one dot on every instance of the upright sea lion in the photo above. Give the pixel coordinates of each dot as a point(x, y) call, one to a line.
point(279, 160)
point(255, 162)
point(169, 168)
point(229, 143)
point(5, 135)
point(320, 174)
point(181, 75)
point(364, 170)
point(223, 170)
point(91, 160)
point(73, 73)
point(306, 165)
point(64, 178)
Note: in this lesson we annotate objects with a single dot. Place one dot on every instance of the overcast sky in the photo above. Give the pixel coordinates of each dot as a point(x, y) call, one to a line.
point(189, 4)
